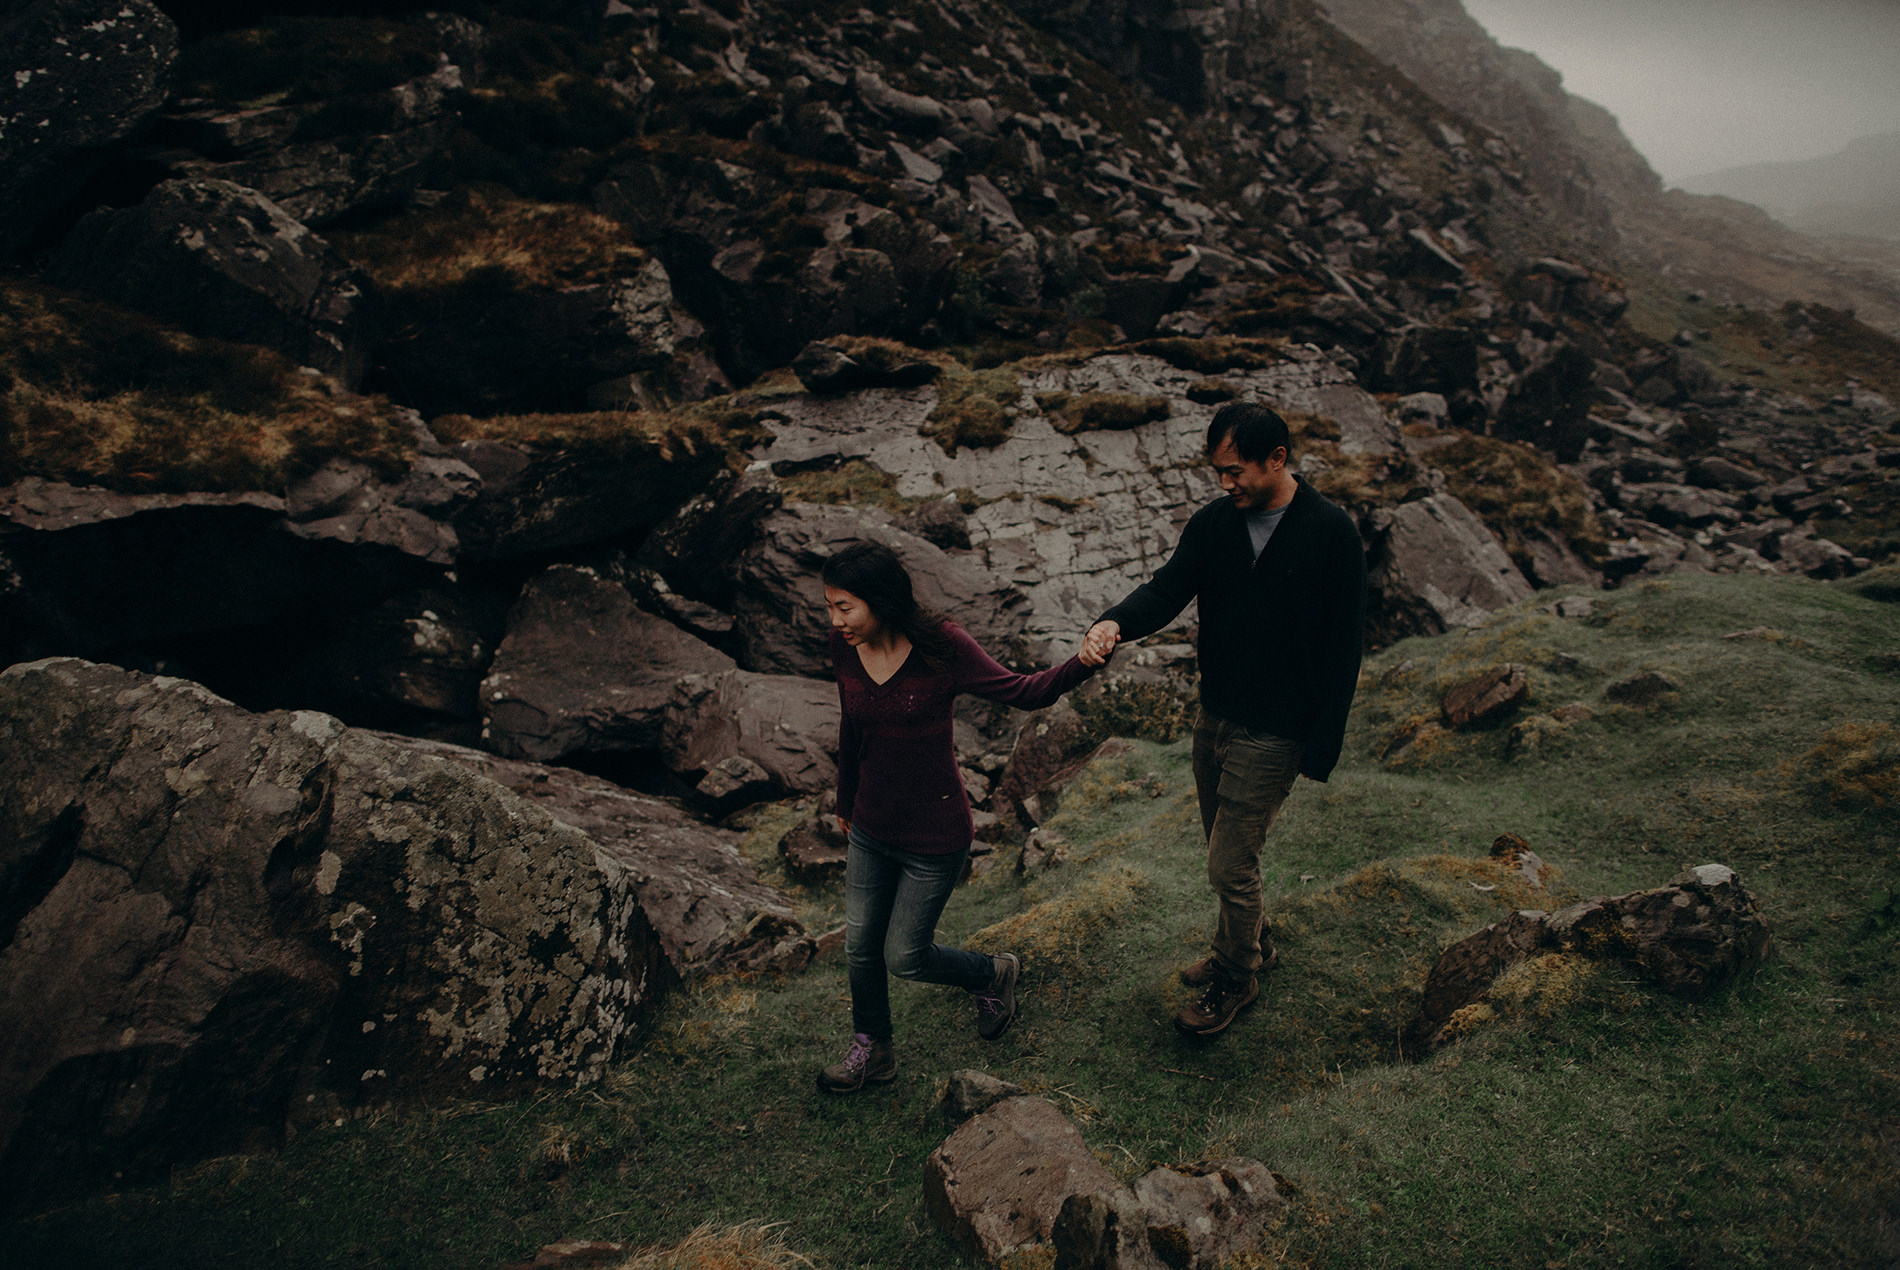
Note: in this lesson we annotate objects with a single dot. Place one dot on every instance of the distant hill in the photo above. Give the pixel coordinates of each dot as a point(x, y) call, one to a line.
point(1854, 192)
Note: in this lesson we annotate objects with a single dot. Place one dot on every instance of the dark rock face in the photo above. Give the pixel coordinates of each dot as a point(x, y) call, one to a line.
point(96, 570)
point(497, 346)
point(325, 160)
point(218, 259)
point(778, 733)
point(81, 75)
point(706, 907)
point(217, 921)
point(1436, 566)
point(534, 500)
point(417, 656)
point(779, 600)
point(582, 669)
point(1691, 938)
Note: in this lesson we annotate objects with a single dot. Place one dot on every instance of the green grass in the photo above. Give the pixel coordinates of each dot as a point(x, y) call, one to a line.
point(1596, 1122)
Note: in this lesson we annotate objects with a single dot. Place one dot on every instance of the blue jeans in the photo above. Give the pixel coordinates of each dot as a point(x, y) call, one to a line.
point(892, 899)
point(1241, 776)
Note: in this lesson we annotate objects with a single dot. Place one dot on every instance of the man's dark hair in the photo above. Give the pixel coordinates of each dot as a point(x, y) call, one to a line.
point(872, 572)
point(1256, 430)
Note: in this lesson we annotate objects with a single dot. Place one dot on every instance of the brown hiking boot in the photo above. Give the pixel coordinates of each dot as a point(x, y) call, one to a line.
point(1219, 1002)
point(867, 1062)
point(1207, 967)
point(996, 1004)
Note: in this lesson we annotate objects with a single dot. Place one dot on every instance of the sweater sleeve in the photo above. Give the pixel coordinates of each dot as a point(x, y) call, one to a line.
point(1158, 601)
point(974, 671)
point(1342, 638)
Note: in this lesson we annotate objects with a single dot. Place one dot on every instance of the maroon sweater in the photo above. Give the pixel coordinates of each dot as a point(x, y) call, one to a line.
point(897, 766)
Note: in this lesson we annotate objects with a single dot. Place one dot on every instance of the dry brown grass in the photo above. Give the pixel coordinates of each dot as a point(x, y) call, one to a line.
point(853, 484)
point(1061, 932)
point(750, 1245)
point(487, 229)
point(972, 408)
point(1106, 411)
point(1857, 764)
point(1517, 489)
point(95, 395)
point(1212, 355)
point(689, 433)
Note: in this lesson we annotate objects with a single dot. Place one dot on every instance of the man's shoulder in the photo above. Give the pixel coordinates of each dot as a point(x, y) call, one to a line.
point(1322, 512)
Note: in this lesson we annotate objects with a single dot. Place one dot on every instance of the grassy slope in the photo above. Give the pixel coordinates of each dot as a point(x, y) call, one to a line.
point(1595, 1123)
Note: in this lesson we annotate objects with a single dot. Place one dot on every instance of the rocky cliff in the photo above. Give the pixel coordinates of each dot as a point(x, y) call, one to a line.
point(504, 380)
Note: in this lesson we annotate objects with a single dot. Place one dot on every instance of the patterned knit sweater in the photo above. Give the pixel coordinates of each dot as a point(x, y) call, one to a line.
point(897, 766)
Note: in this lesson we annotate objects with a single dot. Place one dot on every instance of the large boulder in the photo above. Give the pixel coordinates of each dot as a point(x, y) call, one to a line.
point(739, 733)
point(222, 260)
point(779, 602)
point(701, 897)
point(217, 922)
point(1435, 566)
point(418, 657)
point(582, 669)
point(540, 498)
point(81, 75)
point(326, 159)
point(999, 1182)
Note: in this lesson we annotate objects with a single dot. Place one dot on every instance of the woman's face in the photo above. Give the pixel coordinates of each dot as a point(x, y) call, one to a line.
point(851, 617)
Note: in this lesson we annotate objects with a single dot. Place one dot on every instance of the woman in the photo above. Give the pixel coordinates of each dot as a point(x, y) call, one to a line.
point(901, 802)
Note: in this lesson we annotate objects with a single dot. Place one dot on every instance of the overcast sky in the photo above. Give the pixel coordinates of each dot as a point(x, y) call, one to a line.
point(1700, 85)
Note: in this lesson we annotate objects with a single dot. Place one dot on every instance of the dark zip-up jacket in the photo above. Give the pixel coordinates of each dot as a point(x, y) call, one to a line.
point(1280, 636)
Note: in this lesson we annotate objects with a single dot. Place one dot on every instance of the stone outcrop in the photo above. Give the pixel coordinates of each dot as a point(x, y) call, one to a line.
point(1195, 1217)
point(779, 602)
point(1691, 938)
point(92, 570)
point(581, 669)
point(218, 921)
point(1436, 567)
point(322, 160)
point(703, 901)
point(999, 1182)
point(763, 735)
point(82, 74)
point(222, 260)
point(536, 499)
point(1487, 698)
point(508, 346)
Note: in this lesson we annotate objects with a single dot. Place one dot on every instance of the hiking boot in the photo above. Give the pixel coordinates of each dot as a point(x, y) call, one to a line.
point(867, 1062)
point(1220, 1001)
point(1207, 967)
point(996, 1004)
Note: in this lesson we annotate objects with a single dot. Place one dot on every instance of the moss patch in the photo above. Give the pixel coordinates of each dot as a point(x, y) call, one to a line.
point(974, 409)
point(92, 394)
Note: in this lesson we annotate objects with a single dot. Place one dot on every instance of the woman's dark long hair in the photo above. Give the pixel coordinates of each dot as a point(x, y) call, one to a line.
point(872, 572)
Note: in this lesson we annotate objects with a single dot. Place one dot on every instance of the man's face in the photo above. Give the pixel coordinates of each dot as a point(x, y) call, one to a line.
point(1250, 484)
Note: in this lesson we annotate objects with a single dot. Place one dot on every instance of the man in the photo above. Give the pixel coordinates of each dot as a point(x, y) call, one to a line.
point(1280, 575)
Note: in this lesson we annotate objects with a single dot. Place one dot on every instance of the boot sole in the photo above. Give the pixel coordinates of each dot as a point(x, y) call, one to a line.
point(844, 1090)
point(1221, 1026)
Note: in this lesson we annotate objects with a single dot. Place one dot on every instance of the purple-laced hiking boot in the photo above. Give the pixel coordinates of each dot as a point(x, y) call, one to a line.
point(996, 1004)
point(867, 1062)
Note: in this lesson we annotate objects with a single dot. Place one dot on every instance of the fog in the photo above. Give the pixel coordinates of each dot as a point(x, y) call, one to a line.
point(1701, 85)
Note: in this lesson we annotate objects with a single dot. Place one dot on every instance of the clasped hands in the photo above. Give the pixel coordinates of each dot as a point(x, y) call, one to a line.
point(1099, 643)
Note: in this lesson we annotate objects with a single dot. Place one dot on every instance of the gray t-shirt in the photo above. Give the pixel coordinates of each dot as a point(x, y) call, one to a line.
point(1261, 522)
